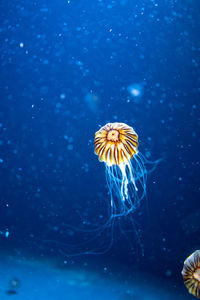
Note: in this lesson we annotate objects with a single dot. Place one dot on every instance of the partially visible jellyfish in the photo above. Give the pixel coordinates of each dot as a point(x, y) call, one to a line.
point(191, 273)
point(116, 144)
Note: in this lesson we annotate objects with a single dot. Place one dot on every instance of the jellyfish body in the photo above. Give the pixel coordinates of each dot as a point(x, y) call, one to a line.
point(116, 144)
point(191, 273)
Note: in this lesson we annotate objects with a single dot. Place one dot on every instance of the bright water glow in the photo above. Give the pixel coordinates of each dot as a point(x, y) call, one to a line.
point(135, 90)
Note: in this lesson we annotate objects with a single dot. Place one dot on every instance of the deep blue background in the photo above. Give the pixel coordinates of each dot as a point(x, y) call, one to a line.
point(65, 70)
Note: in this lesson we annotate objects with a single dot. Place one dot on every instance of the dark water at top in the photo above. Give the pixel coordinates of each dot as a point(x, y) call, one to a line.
point(69, 67)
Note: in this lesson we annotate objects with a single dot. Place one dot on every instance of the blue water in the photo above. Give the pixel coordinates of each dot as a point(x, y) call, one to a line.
point(68, 68)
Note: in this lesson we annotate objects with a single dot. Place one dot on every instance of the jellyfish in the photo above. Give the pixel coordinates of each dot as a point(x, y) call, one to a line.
point(191, 273)
point(116, 144)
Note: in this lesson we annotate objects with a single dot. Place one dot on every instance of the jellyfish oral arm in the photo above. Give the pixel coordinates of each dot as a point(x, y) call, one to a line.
point(131, 176)
point(125, 180)
point(124, 185)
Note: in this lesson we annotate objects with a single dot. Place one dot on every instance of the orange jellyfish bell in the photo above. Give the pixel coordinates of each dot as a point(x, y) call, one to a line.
point(191, 273)
point(115, 143)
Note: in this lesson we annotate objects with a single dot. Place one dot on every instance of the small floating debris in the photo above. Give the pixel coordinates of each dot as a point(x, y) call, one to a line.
point(5, 233)
point(14, 285)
